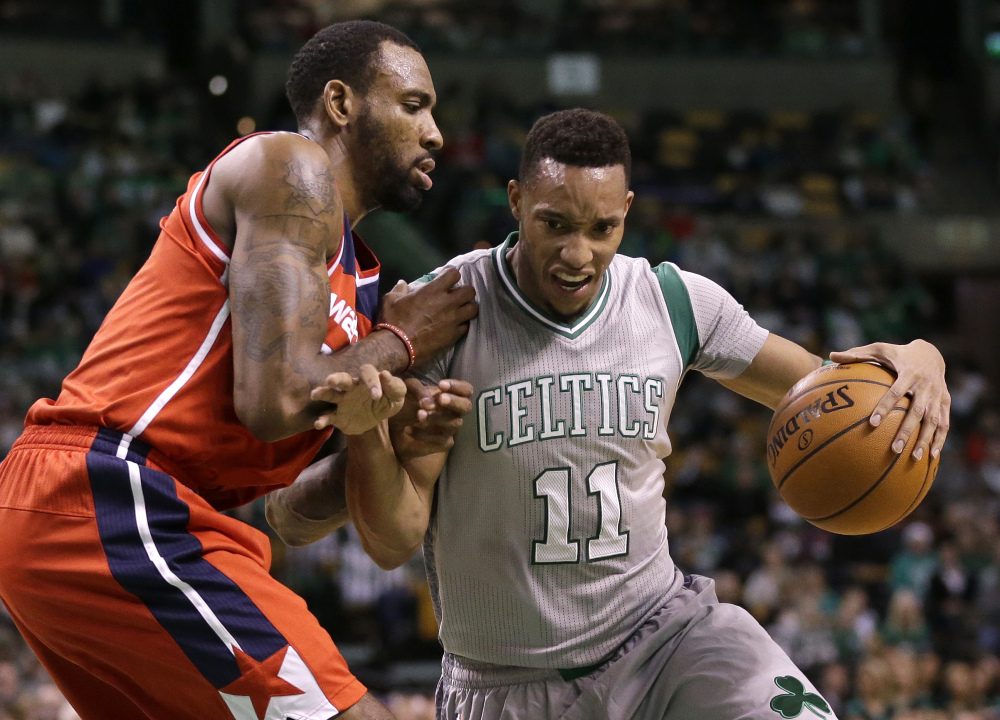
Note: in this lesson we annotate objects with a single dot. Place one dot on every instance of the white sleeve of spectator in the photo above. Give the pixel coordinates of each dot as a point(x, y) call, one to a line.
point(729, 338)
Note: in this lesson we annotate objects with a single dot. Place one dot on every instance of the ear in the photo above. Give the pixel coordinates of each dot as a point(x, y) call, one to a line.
point(629, 197)
point(338, 103)
point(514, 199)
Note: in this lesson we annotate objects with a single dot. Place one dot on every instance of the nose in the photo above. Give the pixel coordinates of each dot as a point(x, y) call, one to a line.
point(576, 252)
point(431, 138)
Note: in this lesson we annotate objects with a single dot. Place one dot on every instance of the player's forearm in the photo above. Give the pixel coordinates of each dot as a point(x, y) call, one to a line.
point(389, 512)
point(313, 506)
point(280, 298)
point(382, 349)
point(282, 406)
point(778, 366)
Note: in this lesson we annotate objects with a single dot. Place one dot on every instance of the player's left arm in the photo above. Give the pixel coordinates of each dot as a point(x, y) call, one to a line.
point(919, 369)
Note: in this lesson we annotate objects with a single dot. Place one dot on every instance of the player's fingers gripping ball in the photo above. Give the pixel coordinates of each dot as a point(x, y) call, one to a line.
point(831, 465)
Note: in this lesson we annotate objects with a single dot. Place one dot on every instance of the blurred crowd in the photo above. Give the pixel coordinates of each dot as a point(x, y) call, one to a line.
point(776, 207)
point(708, 27)
point(773, 205)
point(805, 28)
point(784, 165)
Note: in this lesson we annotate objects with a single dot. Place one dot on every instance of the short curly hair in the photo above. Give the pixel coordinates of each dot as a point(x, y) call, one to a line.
point(346, 51)
point(579, 137)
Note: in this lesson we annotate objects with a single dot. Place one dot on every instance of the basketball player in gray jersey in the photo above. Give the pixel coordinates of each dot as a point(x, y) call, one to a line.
point(545, 545)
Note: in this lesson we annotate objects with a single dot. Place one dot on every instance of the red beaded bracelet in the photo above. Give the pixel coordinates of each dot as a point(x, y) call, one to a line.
point(398, 332)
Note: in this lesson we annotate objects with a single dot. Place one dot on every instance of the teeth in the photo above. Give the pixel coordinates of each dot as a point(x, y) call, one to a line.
point(571, 278)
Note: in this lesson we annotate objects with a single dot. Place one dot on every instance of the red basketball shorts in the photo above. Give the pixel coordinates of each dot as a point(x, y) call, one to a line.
point(144, 602)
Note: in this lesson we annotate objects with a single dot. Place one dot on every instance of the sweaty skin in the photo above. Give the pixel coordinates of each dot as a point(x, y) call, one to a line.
point(317, 503)
point(570, 236)
point(277, 202)
point(571, 224)
point(361, 153)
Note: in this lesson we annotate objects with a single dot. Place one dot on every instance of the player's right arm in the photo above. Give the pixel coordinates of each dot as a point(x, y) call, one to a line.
point(392, 470)
point(725, 333)
point(778, 365)
point(313, 506)
point(287, 215)
point(421, 433)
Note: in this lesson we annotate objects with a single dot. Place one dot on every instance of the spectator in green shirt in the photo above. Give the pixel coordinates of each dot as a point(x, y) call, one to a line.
point(913, 567)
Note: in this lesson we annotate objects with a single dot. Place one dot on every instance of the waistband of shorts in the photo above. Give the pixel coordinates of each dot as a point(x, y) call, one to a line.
point(471, 674)
point(95, 439)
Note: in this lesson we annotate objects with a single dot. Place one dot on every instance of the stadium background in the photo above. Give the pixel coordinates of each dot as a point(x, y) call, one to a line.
point(834, 163)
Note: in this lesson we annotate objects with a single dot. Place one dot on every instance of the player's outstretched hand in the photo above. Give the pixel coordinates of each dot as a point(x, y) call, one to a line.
point(430, 418)
point(360, 403)
point(434, 316)
point(919, 370)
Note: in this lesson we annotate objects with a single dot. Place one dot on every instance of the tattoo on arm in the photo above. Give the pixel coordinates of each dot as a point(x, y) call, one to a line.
point(281, 272)
point(382, 349)
point(279, 278)
point(279, 291)
point(315, 192)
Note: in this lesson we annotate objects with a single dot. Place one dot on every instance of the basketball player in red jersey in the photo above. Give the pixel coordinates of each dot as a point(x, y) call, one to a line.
point(140, 597)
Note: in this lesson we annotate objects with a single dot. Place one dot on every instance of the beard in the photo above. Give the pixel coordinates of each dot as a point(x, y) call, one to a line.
point(384, 176)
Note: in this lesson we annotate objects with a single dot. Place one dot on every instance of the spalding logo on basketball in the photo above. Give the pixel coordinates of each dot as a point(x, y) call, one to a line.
point(828, 462)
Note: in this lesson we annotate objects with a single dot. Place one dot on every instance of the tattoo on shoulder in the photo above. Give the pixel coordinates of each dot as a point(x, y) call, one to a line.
point(310, 190)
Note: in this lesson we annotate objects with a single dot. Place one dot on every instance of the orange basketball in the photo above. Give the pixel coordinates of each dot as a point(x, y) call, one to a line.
point(828, 462)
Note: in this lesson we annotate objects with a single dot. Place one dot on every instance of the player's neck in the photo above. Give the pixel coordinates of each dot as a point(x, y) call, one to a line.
point(349, 195)
point(343, 173)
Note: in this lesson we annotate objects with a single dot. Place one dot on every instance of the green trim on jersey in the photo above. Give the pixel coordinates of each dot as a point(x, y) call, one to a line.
point(509, 283)
point(426, 278)
point(678, 301)
point(571, 674)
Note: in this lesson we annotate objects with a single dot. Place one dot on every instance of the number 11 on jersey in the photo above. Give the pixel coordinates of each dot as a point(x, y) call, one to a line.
point(553, 486)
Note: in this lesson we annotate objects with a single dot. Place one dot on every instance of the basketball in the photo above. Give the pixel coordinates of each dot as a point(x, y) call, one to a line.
point(831, 466)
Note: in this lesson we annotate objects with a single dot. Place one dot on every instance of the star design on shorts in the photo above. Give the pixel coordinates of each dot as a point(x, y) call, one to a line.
point(260, 681)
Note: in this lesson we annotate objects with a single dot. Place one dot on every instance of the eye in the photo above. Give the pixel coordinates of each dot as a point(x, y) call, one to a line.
point(412, 107)
point(553, 224)
point(604, 228)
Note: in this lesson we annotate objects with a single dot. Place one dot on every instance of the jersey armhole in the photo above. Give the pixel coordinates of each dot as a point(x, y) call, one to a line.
point(196, 214)
point(678, 301)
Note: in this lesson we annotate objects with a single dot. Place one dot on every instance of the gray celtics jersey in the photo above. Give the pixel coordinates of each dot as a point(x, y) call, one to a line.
point(547, 547)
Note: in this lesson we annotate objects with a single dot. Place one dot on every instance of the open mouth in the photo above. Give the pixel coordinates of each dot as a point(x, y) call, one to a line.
point(571, 283)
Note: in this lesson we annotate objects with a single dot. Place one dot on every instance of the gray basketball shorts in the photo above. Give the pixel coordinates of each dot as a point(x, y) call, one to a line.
point(694, 659)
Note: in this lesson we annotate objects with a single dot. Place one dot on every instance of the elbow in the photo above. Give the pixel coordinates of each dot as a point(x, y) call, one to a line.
point(287, 530)
point(387, 562)
point(268, 419)
point(387, 557)
point(274, 519)
point(295, 541)
point(290, 539)
point(288, 535)
point(258, 428)
point(260, 424)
